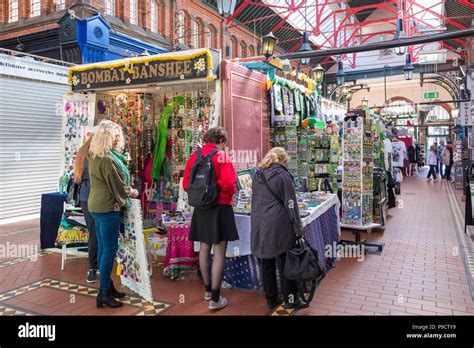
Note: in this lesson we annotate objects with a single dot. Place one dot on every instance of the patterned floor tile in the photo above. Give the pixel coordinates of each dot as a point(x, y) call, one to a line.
point(145, 308)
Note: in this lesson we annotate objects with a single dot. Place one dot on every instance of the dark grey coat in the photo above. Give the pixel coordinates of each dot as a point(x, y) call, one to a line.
point(274, 227)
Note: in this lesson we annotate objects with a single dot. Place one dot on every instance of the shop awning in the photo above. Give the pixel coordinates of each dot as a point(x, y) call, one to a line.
point(166, 67)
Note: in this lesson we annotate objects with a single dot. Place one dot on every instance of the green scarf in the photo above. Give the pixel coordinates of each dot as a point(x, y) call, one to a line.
point(119, 160)
point(162, 136)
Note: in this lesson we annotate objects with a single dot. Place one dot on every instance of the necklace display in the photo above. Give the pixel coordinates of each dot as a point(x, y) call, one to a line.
point(137, 115)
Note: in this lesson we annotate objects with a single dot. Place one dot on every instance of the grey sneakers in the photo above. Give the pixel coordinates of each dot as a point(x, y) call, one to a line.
point(207, 295)
point(215, 305)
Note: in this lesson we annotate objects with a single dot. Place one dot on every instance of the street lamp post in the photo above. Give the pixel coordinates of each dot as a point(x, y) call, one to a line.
point(318, 73)
point(400, 50)
point(305, 47)
point(268, 45)
point(226, 8)
point(408, 68)
point(365, 103)
point(340, 75)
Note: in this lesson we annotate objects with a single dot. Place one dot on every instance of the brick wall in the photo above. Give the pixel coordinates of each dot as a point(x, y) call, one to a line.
point(167, 9)
point(3, 11)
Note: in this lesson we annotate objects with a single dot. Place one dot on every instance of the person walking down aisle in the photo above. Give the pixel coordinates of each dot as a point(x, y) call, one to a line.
point(432, 163)
point(275, 223)
point(437, 158)
point(448, 160)
point(439, 153)
point(213, 224)
point(81, 177)
point(109, 192)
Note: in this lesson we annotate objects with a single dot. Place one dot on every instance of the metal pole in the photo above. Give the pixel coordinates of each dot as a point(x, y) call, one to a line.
point(417, 40)
point(427, 103)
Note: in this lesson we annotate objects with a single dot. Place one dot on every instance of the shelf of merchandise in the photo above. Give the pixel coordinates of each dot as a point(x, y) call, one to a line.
point(357, 187)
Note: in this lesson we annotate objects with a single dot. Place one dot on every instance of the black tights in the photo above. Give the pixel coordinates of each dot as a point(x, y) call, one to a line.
point(212, 277)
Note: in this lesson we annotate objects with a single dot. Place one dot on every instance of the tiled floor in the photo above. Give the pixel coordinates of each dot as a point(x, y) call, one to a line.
point(420, 271)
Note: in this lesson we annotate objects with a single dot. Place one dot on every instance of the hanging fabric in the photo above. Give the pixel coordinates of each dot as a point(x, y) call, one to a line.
point(278, 98)
point(162, 136)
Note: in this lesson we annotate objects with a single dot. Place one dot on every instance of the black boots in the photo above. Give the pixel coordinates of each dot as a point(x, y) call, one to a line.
point(105, 297)
point(114, 291)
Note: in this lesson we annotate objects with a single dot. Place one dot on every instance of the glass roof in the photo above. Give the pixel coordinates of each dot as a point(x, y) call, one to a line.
point(305, 18)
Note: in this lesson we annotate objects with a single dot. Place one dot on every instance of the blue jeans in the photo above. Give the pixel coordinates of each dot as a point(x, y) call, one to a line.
point(432, 171)
point(107, 227)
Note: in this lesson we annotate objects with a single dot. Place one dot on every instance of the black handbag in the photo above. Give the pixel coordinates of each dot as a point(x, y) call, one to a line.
point(301, 262)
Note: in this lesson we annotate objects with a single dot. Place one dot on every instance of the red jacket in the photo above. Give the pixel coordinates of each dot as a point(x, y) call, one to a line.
point(225, 174)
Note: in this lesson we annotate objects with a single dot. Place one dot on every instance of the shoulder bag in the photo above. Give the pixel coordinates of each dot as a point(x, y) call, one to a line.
point(301, 261)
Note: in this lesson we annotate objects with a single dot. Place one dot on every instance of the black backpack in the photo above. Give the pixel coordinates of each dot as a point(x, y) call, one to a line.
point(202, 189)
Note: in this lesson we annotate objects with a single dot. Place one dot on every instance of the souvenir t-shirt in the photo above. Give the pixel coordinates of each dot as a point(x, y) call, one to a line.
point(278, 98)
point(399, 153)
point(286, 101)
point(296, 95)
point(291, 107)
point(387, 144)
point(272, 105)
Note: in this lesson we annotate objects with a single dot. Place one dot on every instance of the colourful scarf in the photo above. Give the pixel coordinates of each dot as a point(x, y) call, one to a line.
point(119, 160)
point(162, 136)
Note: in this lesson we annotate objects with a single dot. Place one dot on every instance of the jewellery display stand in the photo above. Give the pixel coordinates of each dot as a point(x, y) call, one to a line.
point(357, 177)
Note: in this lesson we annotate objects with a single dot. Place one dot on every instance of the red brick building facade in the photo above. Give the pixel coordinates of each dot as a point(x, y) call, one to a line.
point(165, 23)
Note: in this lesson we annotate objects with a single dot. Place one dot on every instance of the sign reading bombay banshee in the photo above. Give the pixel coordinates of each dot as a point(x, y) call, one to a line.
point(174, 66)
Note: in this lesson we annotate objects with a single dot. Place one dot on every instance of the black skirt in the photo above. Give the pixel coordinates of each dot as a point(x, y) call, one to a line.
point(214, 225)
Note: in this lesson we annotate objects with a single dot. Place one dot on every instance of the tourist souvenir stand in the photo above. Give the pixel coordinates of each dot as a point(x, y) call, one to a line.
point(293, 125)
point(164, 103)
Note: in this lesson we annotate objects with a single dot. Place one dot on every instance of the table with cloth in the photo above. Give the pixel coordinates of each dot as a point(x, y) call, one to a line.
point(320, 228)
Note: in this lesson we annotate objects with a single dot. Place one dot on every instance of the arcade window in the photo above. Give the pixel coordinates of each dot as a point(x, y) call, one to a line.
point(13, 11)
point(134, 12)
point(154, 17)
point(60, 5)
point(110, 7)
point(35, 8)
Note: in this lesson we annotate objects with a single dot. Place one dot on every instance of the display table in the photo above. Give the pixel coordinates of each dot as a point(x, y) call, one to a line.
point(320, 228)
point(52, 207)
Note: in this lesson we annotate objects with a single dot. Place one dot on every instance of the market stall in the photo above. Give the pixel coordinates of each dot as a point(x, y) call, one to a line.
point(296, 123)
point(164, 103)
point(365, 174)
point(320, 228)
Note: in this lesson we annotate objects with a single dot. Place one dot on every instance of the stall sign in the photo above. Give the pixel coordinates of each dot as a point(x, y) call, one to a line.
point(30, 68)
point(467, 113)
point(142, 71)
point(458, 149)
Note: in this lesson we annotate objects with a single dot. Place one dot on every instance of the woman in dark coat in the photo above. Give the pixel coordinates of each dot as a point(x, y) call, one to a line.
point(275, 224)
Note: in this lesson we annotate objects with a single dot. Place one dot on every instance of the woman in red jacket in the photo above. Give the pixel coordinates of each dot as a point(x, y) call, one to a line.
point(214, 227)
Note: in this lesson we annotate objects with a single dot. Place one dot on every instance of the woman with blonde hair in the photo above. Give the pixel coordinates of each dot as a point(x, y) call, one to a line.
point(81, 177)
point(110, 191)
point(275, 223)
